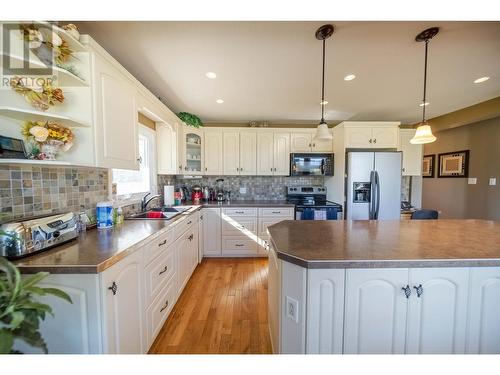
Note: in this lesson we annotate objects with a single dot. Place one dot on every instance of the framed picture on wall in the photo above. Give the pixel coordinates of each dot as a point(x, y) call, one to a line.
point(454, 164)
point(428, 165)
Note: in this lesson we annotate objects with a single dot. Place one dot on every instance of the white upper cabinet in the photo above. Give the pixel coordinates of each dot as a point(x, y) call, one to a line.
point(437, 311)
point(265, 153)
point(412, 154)
point(375, 311)
point(484, 311)
point(122, 291)
point(115, 117)
point(371, 134)
point(248, 153)
point(304, 141)
point(281, 153)
point(213, 152)
point(300, 142)
point(231, 150)
point(273, 153)
point(191, 152)
point(166, 146)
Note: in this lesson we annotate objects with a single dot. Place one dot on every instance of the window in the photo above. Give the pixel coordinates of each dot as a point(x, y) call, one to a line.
point(144, 180)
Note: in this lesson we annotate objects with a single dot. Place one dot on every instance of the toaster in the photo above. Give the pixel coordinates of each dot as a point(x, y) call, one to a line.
point(21, 238)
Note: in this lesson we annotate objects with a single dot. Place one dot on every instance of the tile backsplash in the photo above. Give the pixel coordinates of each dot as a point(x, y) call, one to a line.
point(257, 187)
point(30, 190)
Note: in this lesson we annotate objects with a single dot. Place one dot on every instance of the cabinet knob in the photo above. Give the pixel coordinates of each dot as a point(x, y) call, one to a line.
point(206, 169)
point(314, 144)
point(370, 140)
point(374, 140)
point(271, 169)
point(309, 145)
point(180, 167)
point(419, 289)
point(113, 288)
point(139, 159)
point(407, 291)
point(186, 168)
point(275, 169)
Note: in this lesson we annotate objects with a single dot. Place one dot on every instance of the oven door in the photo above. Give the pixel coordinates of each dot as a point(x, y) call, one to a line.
point(311, 164)
point(316, 213)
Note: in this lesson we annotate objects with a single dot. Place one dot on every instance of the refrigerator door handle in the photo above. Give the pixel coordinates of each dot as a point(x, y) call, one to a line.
point(371, 204)
point(377, 188)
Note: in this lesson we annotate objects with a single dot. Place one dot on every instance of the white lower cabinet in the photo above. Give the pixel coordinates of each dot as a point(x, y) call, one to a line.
point(375, 311)
point(123, 306)
point(325, 311)
point(437, 311)
point(212, 232)
point(483, 336)
point(187, 254)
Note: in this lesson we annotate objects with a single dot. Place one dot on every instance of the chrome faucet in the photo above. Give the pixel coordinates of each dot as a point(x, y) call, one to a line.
point(145, 202)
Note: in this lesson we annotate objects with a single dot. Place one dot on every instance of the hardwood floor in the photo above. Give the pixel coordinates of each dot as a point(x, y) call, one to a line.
point(223, 309)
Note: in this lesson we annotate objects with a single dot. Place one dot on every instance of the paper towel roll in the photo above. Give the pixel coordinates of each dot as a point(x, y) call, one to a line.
point(168, 192)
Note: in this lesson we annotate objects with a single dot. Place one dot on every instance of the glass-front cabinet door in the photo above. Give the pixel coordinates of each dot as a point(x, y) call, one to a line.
point(193, 151)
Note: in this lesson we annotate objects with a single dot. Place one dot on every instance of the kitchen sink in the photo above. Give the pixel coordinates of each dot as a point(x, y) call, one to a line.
point(164, 213)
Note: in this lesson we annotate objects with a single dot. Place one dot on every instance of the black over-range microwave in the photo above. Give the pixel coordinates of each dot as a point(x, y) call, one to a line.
point(311, 164)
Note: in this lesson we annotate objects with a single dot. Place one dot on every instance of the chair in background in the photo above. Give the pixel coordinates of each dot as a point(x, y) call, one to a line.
point(425, 215)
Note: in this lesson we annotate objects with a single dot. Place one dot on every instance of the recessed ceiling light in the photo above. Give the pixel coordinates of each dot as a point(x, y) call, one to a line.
point(220, 101)
point(324, 102)
point(211, 75)
point(422, 104)
point(482, 79)
point(349, 77)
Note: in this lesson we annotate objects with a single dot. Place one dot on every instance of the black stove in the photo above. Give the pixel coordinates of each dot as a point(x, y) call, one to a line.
point(311, 203)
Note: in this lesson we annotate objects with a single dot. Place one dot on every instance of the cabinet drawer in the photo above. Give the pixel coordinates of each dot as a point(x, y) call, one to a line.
point(244, 211)
point(157, 246)
point(264, 223)
point(239, 226)
point(277, 211)
point(157, 274)
point(183, 224)
point(239, 246)
point(158, 312)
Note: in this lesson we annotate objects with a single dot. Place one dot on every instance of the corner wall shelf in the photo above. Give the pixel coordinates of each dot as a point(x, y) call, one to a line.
point(35, 162)
point(64, 77)
point(32, 115)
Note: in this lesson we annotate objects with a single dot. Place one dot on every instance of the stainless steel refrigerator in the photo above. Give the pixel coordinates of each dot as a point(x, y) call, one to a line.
point(373, 185)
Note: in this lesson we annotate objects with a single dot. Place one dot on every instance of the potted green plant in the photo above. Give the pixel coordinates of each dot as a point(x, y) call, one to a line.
point(190, 119)
point(20, 313)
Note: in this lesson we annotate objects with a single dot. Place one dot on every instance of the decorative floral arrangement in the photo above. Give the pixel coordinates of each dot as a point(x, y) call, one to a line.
point(72, 30)
point(190, 119)
point(47, 138)
point(35, 38)
point(41, 100)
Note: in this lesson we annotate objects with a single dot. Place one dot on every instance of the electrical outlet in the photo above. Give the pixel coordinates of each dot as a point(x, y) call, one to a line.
point(292, 309)
point(243, 190)
point(493, 181)
point(472, 181)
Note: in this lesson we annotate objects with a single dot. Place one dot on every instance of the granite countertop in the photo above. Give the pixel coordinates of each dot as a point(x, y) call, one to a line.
point(248, 203)
point(96, 250)
point(378, 244)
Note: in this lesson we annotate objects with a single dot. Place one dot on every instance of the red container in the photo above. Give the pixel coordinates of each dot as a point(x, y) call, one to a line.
point(196, 196)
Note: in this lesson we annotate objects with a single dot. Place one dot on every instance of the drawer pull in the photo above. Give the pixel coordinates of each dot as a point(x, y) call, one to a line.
point(239, 245)
point(276, 212)
point(239, 212)
point(419, 289)
point(189, 222)
point(164, 270)
point(407, 291)
point(162, 243)
point(164, 307)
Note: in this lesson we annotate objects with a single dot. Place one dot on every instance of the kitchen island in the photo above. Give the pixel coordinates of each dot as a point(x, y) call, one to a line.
point(385, 286)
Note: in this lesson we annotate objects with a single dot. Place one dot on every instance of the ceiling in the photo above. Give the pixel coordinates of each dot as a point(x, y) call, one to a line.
point(272, 70)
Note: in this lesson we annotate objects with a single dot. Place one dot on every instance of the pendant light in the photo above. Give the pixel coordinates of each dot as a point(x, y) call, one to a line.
point(424, 131)
point(322, 132)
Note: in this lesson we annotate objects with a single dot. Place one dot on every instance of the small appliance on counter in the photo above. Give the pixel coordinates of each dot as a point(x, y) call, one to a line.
point(22, 238)
point(206, 193)
point(220, 194)
point(311, 203)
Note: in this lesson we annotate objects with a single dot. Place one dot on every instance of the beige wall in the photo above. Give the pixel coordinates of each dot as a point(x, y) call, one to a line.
point(453, 196)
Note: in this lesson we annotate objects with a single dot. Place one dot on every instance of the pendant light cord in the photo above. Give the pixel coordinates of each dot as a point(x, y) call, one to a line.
point(323, 86)
point(425, 81)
